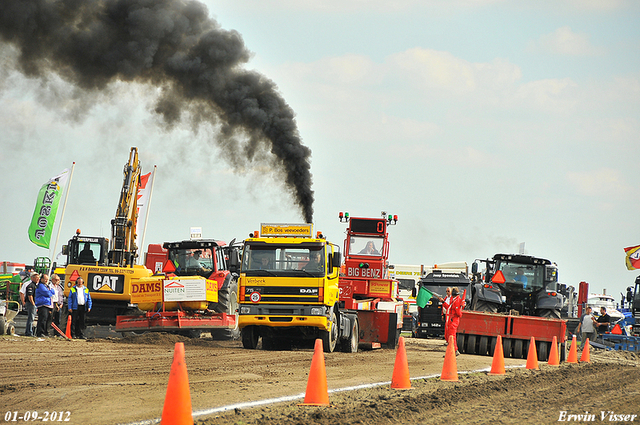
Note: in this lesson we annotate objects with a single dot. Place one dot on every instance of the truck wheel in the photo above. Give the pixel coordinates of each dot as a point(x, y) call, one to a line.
point(460, 341)
point(471, 345)
point(517, 349)
point(506, 347)
point(330, 337)
point(483, 346)
point(250, 337)
point(350, 345)
point(543, 351)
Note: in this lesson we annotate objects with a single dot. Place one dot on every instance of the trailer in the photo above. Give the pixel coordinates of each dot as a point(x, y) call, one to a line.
point(478, 333)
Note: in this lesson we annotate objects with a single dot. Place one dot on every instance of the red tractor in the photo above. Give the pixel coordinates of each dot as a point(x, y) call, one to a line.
point(365, 287)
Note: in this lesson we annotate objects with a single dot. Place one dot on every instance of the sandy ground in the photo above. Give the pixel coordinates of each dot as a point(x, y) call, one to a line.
point(118, 380)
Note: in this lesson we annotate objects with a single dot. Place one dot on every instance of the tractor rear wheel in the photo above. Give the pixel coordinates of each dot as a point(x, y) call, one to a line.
point(227, 303)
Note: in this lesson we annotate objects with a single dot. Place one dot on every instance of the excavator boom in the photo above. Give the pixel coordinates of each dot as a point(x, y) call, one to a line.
point(123, 250)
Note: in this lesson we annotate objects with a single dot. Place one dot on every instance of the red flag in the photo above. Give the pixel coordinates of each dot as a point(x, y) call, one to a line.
point(632, 257)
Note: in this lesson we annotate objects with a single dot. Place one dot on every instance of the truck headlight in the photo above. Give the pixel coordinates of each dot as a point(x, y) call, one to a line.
point(245, 310)
point(317, 311)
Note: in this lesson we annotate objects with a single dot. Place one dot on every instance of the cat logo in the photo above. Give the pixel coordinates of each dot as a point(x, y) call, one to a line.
point(106, 283)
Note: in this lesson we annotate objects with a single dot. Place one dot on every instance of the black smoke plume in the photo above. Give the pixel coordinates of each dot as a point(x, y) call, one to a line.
point(173, 45)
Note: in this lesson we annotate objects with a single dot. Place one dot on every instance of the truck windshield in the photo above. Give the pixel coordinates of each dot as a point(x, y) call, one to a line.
point(283, 260)
point(529, 277)
point(365, 245)
point(191, 262)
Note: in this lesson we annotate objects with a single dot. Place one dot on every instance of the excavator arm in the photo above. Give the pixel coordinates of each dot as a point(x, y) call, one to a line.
point(123, 250)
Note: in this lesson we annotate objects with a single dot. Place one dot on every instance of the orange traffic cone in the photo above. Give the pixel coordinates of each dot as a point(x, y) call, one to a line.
point(177, 402)
point(317, 393)
point(554, 359)
point(573, 351)
point(532, 356)
point(400, 379)
point(497, 365)
point(585, 357)
point(450, 367)
point(68, 331)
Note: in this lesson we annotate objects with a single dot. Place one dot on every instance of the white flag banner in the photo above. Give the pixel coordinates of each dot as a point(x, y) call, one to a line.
point(144, 192)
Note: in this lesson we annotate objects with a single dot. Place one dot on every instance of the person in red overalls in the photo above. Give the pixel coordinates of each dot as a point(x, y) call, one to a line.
point(454, 315)
point(446, 302)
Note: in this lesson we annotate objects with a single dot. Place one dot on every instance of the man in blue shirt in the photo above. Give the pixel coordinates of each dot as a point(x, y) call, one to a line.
point(520, 277)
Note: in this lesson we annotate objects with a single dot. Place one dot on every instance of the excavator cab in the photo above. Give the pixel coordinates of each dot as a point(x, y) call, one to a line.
point(86, 250)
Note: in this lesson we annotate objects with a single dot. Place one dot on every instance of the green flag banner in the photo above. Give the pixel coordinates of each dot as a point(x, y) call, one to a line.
point(44, 215)
point(424, 295)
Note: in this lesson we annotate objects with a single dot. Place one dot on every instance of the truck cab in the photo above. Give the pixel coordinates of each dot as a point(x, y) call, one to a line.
point(288, 287)
point(526, 284)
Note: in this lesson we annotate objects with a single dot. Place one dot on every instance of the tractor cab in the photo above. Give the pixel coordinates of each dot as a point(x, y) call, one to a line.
point(194, 258)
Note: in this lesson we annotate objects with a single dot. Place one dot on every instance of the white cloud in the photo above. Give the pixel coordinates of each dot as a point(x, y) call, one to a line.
point(606, 183)
point(552, 95)
point(565, 42)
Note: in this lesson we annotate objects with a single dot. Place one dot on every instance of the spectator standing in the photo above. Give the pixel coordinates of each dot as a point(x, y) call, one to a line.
point(28, 298)
point(79, 302)
point(44, 292)
point(603, 321)
point(587, 326)
point(58, 302)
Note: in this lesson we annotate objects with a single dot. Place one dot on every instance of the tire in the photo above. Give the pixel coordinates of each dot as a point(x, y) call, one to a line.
point(224, 295)
point(269, 343)
point(11, 330)
point(250, 337)
point(2, 325)
point(543, 351)
point(517, 349)
point(231, 309)
point(460, 341)
point(350, 345)
point(330, 337)
point(492, 348)
point(478, 305)
point(471, 345)
point(486, 307)
point(552, 314)
point(506, 347)
point(483, 346)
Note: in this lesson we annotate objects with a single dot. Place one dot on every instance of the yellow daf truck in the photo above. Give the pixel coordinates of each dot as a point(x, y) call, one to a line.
point(288, 290)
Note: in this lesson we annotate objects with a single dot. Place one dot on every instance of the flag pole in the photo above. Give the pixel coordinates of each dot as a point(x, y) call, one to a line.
point(146, 215)
point(64, 207)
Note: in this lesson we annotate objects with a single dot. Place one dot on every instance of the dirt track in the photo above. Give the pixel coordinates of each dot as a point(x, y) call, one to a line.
point(109, 381)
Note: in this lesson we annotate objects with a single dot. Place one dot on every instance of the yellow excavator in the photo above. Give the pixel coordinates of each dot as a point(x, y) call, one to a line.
point(108, 267)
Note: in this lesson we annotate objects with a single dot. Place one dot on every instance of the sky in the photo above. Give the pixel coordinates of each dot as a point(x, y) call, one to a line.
point(482, 124)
